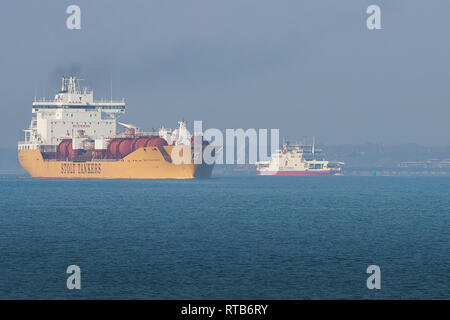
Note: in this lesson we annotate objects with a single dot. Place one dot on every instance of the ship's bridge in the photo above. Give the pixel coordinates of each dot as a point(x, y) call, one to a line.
point(71, 97)
point(73, 112)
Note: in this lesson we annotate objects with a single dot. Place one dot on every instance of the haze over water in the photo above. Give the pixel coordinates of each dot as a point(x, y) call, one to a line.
point(309, 68)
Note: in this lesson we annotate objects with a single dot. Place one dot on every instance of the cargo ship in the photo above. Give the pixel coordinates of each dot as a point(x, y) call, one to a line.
point(298, 160)
point(74, 137)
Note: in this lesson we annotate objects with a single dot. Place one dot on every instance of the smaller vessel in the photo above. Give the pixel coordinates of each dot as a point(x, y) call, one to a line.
point(298, 160)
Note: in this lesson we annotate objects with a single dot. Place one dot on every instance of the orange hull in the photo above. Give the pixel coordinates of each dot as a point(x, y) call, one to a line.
point(144, 163)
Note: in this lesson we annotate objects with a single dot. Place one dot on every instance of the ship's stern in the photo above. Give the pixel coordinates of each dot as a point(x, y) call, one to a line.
point(203, 171)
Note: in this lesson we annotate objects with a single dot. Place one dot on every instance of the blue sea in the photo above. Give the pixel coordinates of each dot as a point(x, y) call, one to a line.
point(242, 237)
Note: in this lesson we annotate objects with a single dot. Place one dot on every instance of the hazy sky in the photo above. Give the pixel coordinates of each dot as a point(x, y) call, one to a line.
point(305, 67)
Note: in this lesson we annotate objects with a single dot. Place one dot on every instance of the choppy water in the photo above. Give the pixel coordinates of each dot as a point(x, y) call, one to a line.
point(225, 238)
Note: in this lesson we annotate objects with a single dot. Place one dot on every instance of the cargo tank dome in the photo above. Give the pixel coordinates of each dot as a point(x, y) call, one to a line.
point(113, 147)
point(125, 147)
point(62, 148)
point(156, 142)
point(141, 142)
point(72, 153)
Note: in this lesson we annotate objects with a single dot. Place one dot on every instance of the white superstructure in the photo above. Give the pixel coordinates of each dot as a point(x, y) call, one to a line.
point(298, 159)
point(72, 114)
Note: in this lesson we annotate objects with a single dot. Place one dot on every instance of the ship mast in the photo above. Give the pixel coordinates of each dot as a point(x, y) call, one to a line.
point(313, 145)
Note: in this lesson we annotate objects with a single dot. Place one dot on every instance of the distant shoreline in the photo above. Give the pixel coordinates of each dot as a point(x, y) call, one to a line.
point(12, 171)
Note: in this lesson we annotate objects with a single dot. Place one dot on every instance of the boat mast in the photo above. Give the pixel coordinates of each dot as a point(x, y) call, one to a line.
point(313, 145)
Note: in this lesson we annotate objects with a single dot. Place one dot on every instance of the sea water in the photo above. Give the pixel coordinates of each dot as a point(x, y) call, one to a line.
point(242, 237)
